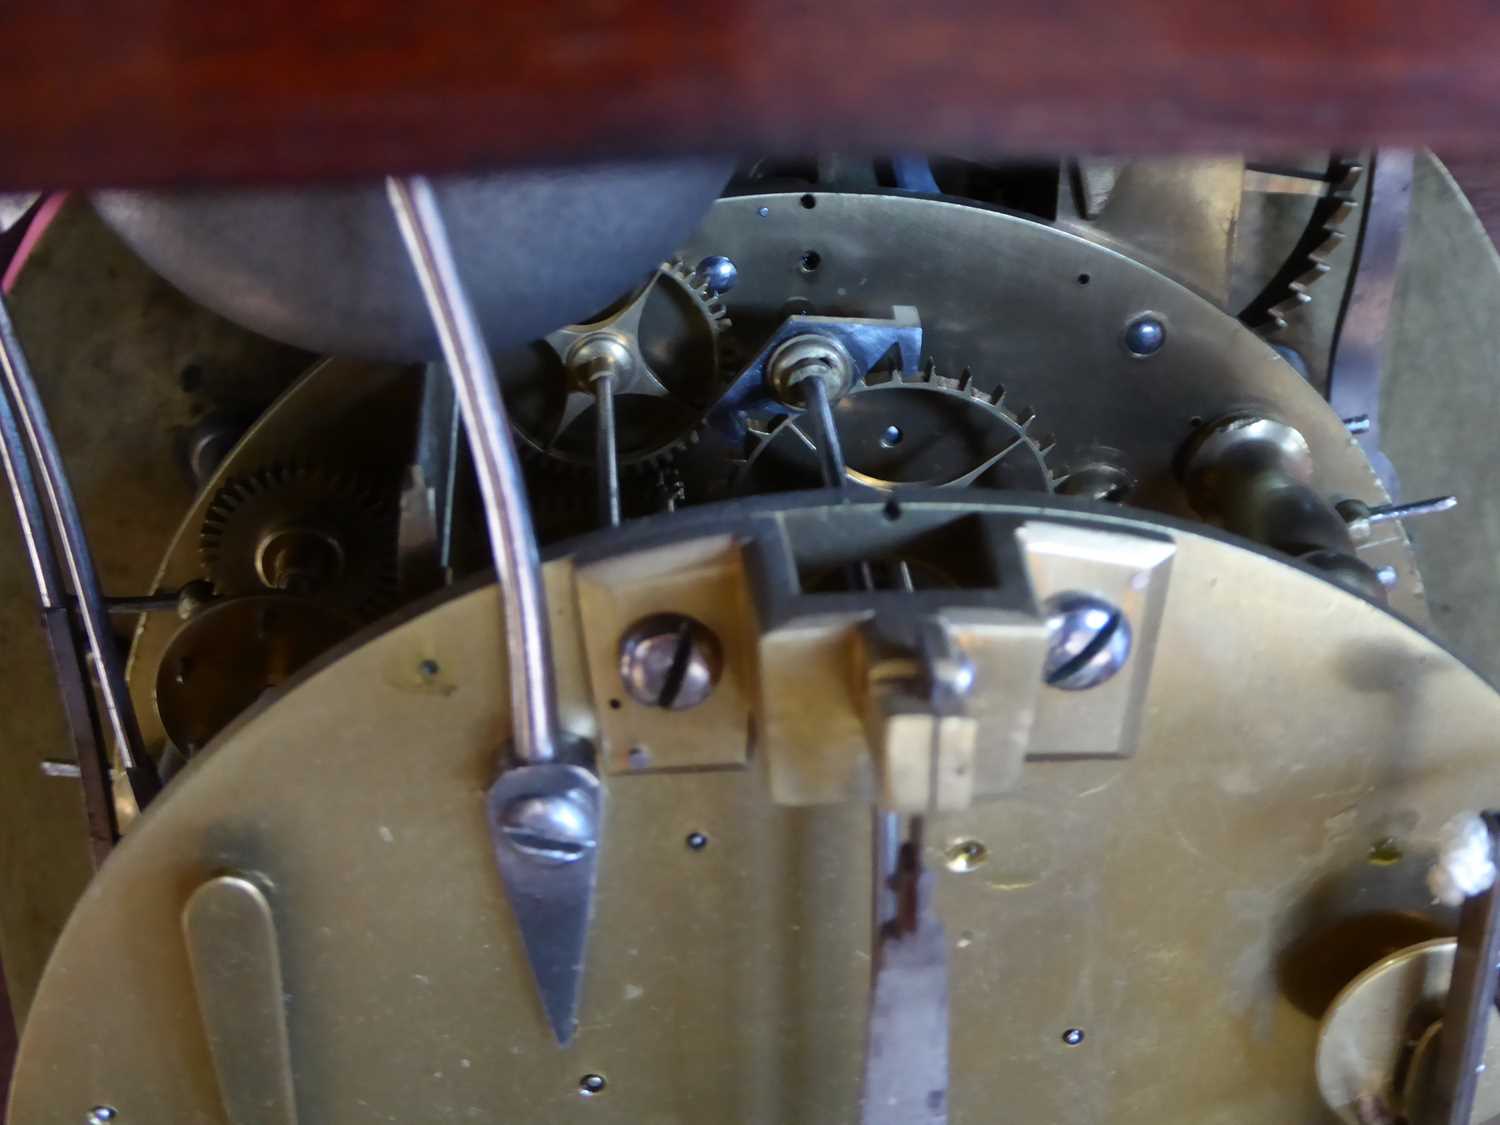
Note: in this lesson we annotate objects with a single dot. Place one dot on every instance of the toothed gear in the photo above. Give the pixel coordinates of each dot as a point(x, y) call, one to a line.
point(674, 326)
point(1290, 290)
point(569, 505)
point(345, 521)
point(916, 430)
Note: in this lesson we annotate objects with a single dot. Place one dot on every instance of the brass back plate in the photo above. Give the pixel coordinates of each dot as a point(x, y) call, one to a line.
point(1170, 905)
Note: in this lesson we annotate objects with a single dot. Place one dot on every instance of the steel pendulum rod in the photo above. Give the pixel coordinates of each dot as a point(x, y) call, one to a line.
point(512, 541)
point(605, 453)
point(42, 487)
point(545, 807)
point(1471, 995)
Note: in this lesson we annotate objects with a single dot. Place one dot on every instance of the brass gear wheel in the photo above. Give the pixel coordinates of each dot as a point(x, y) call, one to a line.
point(909, 430)
point(329, 535)
point(674, 327)
point(1289, 291)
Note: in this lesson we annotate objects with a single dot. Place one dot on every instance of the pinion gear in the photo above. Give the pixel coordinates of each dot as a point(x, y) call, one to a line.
point(327, 534)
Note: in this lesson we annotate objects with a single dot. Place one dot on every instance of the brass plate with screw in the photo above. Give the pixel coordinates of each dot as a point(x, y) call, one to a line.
point(728, 984)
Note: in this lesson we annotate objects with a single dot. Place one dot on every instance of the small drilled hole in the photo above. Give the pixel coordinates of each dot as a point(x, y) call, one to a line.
point(809, 201)
point(1073, 1036)
point(428, 669)
point(1194, 422)
point(963, 856)
point(892, 510)
point(1084, 279)
point(696, 841)
point(811, 260)
point(190, 378)
point(615, 705)
point(1386, 852)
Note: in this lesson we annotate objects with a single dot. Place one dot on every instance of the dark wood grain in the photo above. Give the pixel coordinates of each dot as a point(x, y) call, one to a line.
point(123, 91)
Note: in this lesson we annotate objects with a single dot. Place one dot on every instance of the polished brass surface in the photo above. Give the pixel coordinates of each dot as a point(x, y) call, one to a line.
point(1377, 1046)
point(236, 967)
point(704, 579)
point(1131, 573)
point(230, 653)
point(1178, 214)
point(1162, 904)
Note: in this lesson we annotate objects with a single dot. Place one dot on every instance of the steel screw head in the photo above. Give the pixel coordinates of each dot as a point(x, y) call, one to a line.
point(719, 273)
point(591, 1084)
point(554, 829)
point(1145, 335)
point(670, 660)
point(1088, 641)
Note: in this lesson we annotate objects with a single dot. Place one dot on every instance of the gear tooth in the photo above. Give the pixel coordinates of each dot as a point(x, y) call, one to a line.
point(1286, 308)
point(929, 369)
point(1310, 278)
point(1324, 250)
point(1046, 444)
point(1353, 172)
point(966, 381)
point(997, 396)
point(1340, 214)
point(1025, 416)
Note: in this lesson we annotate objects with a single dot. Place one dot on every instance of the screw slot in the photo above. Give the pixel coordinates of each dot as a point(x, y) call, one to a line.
point(669, 660)
point(552, 829)
point(1088, 641)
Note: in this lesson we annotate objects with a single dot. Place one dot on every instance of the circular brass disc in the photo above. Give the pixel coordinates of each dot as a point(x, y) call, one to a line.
point(1300, 750)
point(1382, 1032)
